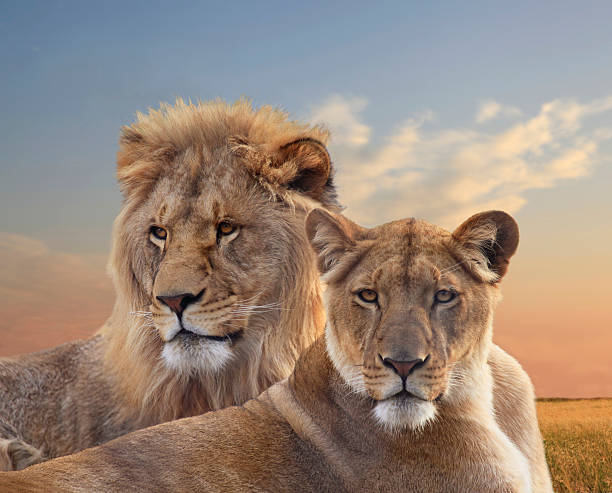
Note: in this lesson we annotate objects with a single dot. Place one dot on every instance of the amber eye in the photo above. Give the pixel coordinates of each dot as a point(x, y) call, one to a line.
point(368, 295)
point(159, 233)
point(444, 296)
point(226, 228)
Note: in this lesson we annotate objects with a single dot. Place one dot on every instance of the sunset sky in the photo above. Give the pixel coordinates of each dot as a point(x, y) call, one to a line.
point(438, 110)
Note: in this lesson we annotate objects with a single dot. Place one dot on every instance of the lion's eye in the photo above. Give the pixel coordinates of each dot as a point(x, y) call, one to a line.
point(226, 228)
point(159, 233)
point(368, 295)
point(444, 296)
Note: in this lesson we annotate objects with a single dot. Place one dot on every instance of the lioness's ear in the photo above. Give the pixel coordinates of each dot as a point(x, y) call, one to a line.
point(486, 241)
point(331, 237)
point(139, 164)
point(309, 168)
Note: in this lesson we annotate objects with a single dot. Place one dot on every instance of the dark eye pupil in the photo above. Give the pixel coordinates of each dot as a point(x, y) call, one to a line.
point(159, 233)
point(226, 228)
point(368, 295)
point(444, 296)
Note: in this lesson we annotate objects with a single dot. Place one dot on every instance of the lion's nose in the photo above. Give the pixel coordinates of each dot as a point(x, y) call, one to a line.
point(179, 302)
point(403, 368)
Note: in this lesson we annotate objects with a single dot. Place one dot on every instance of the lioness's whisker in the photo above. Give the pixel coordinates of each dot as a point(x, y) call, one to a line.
point(452, 268)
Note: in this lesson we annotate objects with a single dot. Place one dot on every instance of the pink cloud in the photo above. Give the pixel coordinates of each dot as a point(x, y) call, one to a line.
point(49, 297)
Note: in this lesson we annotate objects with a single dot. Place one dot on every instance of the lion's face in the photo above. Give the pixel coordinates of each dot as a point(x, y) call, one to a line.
point(212, 228)
point(208, 260)
point(407, 304)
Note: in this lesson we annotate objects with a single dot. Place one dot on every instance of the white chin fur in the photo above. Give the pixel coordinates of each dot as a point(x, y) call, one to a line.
point(206, 356)
point(395, 415)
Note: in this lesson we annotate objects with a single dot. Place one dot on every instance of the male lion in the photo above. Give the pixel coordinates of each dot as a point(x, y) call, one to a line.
point(397, 397)
point(217, 288)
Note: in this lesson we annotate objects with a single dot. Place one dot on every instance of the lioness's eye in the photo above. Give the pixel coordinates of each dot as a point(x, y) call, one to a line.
point(226, 228)
point(368, 295)
point(159, 233)
point(444, 296)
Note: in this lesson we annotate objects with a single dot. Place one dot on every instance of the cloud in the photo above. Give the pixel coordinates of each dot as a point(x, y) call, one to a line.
point(48, 297)
point(446, 175)
point(341, 114)
point(491, 109)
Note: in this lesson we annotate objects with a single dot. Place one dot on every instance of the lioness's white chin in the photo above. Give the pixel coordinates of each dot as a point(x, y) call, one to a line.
point(201, 355)
point(397, 413)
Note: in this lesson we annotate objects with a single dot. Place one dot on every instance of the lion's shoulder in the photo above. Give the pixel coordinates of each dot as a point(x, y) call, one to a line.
point(50, 367)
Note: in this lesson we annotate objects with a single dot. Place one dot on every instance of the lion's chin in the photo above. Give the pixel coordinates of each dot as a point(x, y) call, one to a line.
point(199, 355)
point(403, 411)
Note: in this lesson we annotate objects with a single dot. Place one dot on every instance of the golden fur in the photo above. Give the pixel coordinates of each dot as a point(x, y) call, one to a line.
point(186, 172)
point(280, 155)
point(397, 397)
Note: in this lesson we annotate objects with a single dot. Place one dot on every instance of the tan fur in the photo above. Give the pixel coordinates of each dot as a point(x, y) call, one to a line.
point(185, 168)
point(322, 429)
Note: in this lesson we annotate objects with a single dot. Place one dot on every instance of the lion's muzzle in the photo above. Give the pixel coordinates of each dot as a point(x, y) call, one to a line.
point(178, 303)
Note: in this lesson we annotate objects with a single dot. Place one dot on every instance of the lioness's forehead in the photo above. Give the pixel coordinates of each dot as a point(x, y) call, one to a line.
point(407, 237)
point(406, 248)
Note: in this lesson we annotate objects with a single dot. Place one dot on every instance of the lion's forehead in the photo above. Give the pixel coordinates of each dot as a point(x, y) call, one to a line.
point(193, 179)
point(200, 199)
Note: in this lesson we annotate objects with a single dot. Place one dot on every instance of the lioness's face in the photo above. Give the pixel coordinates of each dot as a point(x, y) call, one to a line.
point(403, 310)
point(208, 246)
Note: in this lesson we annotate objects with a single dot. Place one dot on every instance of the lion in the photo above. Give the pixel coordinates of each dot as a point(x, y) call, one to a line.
point(217, 288)
point(397, 396)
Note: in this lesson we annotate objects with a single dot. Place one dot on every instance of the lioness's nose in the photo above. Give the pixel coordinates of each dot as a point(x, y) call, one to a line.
point(403, 368)
point(179, 302)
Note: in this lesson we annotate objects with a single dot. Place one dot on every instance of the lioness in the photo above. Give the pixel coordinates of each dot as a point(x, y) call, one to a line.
point(217, 288)
point(398, 397)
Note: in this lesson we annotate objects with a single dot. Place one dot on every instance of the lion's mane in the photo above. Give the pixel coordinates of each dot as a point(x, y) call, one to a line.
point(152, 392)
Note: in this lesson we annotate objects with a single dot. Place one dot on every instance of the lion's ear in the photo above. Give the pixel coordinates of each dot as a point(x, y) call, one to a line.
point(139, 164)
point(487, 241)
point(309, 168)
point(332, 238)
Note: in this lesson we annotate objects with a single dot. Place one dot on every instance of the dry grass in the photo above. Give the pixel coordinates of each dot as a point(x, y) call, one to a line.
point(578, 439)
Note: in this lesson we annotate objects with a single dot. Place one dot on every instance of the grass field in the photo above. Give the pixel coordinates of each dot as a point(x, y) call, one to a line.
point(578, 439)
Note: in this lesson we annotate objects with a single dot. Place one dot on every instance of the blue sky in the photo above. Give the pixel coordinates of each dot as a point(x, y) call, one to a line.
point(451, 106)
point(74, 72)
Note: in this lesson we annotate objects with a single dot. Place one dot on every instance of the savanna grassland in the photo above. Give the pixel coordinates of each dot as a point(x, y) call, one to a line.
point(578, 438)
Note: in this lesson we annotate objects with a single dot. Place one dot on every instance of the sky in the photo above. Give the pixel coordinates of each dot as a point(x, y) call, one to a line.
point(438, 110)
